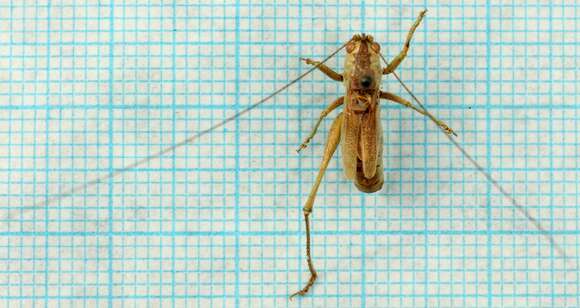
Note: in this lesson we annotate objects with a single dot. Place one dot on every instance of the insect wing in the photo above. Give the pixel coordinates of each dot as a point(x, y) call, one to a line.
point(350, 133)
point(370, 130)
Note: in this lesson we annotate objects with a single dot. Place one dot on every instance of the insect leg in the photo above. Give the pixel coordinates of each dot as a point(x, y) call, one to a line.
point(325, 69)
point(323, 115)
point(397, 99)
point(331, 145)
point(401, 56)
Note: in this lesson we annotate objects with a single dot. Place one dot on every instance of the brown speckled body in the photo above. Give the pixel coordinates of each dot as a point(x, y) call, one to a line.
point(361, 138)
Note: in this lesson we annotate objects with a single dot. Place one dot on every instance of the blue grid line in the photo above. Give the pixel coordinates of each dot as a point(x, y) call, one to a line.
point(551, 100)
point(110, 183)
point(46, 260)
point(425, 162)
point(173, 157)
point(237, 158)
point(488, 159)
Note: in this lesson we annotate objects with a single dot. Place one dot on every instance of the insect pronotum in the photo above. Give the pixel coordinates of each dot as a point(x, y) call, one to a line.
point(357, 127)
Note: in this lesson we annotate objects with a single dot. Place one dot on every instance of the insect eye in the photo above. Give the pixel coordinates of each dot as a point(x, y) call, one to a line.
point(376, 47)
point(350, 47)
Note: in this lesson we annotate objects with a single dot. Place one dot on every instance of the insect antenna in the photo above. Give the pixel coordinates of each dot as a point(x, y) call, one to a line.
point(520, 208)
point(172, 148)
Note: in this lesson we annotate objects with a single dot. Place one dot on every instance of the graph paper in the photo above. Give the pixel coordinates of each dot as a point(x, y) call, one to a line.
point(90, 87)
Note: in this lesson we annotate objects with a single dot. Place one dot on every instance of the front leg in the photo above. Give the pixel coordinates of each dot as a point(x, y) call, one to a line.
point(399, 100)
point(325, 69)
point(401, 56)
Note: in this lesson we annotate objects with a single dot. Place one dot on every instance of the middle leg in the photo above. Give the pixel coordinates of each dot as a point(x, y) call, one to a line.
point(323, 115)
point(399, 100)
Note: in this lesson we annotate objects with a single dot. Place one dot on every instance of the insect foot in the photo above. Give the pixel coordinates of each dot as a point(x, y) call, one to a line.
point(448, 130)
point(304, 290)
point(303, 145)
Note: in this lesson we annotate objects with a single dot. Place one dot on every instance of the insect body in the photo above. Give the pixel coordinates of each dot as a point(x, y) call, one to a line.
point(358, 127)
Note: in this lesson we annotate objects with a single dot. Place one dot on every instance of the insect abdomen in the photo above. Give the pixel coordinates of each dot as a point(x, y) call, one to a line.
point(369, 185)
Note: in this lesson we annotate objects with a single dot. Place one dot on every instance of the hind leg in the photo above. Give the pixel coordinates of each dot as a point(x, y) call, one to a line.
point(331, 145)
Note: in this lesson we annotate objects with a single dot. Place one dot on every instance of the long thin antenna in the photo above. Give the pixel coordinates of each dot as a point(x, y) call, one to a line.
point(189, 140)
point(488, 176)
